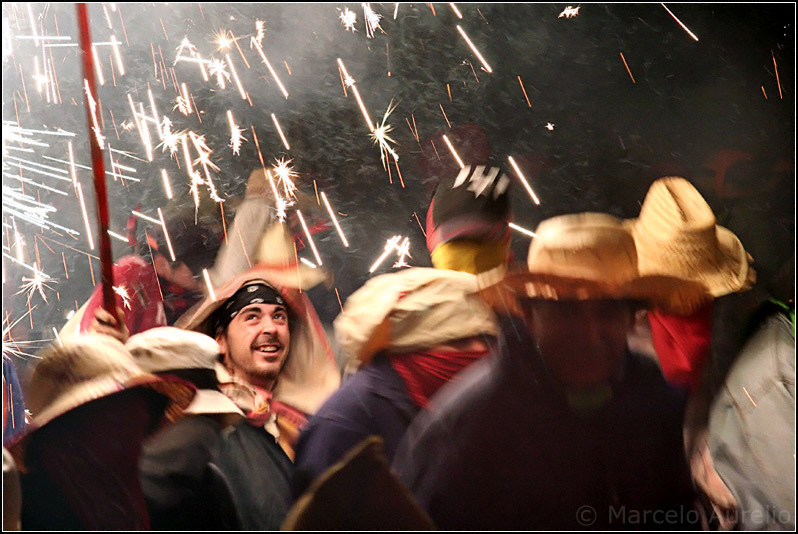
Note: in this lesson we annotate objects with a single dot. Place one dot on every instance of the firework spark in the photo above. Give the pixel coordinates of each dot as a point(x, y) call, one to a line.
point(93, 108)
point(569, 12)
point(185, 44)
point(403, 251)
point(680, 22)
point(454, 152)
point(254, 42)
point(310, 238)
point(37, 283)
point(334, 219)
point(350, 82)
point(474, 49)
point(260, 28)
point(236, 137)
point(380, 136)
point(236, 78)
point(521, 177)
point(285, 176)
point(371, 19)
point(522, 230)
point(217, 67)
point(390, 246)
point(280, 131)
point(183, 102)
point(166, 185)
point(122, 292)
point(170, 139)
point(348, 18)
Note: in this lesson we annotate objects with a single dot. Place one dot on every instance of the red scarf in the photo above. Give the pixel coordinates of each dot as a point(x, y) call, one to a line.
point(682, 345)
point(424, 372)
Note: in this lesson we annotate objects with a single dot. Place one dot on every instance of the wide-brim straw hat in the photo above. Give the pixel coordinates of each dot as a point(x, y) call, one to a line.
point(87, 368)
point(411, 310)
point(587, 256)
point(165, 350)
point(676, 234)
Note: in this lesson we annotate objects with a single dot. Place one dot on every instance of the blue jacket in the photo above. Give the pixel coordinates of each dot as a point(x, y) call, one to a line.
point(374, 401)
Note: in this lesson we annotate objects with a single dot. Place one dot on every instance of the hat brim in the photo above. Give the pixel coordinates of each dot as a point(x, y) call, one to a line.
point(178, 393)
point(732, 274)
point(666, 293)
point(211, 402)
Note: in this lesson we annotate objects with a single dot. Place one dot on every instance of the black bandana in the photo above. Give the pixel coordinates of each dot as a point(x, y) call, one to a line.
point(257, 292)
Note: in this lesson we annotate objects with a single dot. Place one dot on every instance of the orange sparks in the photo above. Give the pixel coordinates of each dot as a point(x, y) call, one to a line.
point(474, 49)
point(680, 22)
point(763, 92)
point(524, 90)
point(334, 219)
point(523, 180)
point(280, 131)
point(627, 68)
point(444, 116)
point(339, 299)
point(454, 153)
point(781, 97)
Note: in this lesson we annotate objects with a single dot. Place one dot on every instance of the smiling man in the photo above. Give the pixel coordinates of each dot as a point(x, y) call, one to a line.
point(254, 334)
point(276, 365)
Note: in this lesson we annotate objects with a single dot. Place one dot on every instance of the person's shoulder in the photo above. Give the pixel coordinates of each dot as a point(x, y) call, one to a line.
point(192, 436)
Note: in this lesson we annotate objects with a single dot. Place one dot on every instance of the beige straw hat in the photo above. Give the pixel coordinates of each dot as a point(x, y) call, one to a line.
point(587, 256)
point(168, 349)
point(676, 234)
point(87, 368)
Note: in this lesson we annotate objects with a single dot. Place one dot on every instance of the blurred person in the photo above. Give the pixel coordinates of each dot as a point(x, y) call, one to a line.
point(744, 461)
point(183, 487)
point(159, 290)
point(11, 491)
point(13, 402)
point(277, 367)
point(93, 407)
point(467, 219)
point(564, 417)
point(408, 333)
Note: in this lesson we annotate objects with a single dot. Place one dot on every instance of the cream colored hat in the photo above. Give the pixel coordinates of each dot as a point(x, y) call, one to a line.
point(588, 256)
point(410, 310)
point(676, 234)
point(168, 350)
point(86, 368)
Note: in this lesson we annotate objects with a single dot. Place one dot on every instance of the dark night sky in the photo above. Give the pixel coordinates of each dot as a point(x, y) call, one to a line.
point(611, 137)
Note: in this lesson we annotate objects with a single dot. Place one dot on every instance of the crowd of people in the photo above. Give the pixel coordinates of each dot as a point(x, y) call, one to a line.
point(477, 394)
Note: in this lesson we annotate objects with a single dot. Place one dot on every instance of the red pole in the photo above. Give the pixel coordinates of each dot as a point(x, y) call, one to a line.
point(97, 164)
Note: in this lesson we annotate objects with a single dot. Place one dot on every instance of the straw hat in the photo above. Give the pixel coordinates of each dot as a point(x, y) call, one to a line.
point(169, 350)
point(587, 256)
point(410, 310)
point(87, 368)
point(676, 234)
